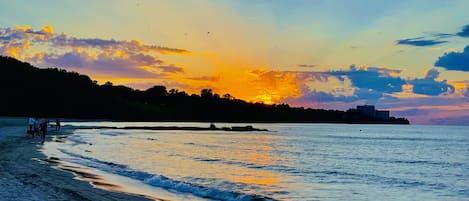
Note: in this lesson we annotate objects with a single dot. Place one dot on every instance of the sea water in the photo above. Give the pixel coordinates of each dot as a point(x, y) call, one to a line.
point(288, 162)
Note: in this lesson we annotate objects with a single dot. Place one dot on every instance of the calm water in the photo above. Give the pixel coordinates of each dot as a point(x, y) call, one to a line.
point(290, 162)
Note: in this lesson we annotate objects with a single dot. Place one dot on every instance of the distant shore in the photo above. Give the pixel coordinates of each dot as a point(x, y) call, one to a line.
point(28, 175)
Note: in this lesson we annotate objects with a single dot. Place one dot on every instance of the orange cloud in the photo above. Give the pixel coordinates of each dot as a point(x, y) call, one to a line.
point(22, 28)
point(272, 86)
point(48, 29)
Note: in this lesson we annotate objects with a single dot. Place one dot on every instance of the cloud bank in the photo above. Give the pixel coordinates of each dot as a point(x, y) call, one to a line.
point(129, 58)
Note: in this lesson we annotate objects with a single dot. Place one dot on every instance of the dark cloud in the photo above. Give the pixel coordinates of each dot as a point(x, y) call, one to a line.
point(429, 86)
point(330, 99)
point(432, 74)
point(443, 35)
point(132, 45)
point(360, 94)
point(369, 95)
point(433, 39)
point(320, 96)
point(171, 69)
point(420, 41)
point(64, 40)
point(376, 79)
point(455, 60)
point(369, 84)
point(140, 59)
point(464, 32)
point(69, 59)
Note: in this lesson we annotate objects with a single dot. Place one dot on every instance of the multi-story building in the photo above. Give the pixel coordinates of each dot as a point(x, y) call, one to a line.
point(370, 110)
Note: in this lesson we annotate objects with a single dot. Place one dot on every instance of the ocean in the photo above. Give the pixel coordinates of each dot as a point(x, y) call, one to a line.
point(288, 162)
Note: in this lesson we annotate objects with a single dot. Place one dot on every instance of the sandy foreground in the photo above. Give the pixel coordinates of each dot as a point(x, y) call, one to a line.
point(26, 174)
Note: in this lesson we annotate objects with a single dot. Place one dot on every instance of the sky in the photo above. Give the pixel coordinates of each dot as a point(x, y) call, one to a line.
point(407, 56)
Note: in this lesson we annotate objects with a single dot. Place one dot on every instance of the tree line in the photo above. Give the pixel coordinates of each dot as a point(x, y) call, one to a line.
point(30, 91)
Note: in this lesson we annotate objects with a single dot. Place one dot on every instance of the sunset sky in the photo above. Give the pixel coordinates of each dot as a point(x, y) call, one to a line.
point(410, 57)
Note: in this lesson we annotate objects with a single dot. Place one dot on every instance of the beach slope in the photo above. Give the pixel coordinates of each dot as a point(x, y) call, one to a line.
point(26, 174)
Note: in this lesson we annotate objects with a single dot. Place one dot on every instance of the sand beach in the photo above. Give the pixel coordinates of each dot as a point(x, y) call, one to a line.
point(28, 175)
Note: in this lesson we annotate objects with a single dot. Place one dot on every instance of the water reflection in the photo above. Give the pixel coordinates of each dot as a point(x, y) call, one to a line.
point(298, 162)
point(203, 158)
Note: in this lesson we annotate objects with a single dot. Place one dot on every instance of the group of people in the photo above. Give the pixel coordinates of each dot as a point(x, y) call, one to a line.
point(39, 127)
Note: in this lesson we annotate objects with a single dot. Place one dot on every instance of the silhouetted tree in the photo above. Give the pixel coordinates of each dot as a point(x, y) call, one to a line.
point(206, 93)
point(228, 96)
point(108, 84)
point(30, 91)
point(159, 91)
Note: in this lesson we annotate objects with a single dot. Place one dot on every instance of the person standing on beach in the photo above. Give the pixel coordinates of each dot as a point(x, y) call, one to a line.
point(31, 125)
point(43, 130)
point(57, 124)
point(36, 126)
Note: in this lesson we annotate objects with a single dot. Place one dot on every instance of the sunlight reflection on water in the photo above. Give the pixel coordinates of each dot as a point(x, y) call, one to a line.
point(290, 162)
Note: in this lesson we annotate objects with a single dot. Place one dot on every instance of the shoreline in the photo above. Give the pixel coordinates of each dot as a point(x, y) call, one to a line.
point(27, 174)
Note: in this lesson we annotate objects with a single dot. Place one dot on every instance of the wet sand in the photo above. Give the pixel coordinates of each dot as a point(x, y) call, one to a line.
point(26, 174)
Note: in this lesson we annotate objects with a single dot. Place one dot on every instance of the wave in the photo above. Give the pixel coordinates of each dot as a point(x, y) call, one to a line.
point(94, 163)
point(162, 181)
point(201, 191)
point(281, 168)
point(341, 177)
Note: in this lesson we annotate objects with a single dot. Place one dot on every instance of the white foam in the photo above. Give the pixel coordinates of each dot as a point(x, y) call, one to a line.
point(201, 191)
point(161, 181)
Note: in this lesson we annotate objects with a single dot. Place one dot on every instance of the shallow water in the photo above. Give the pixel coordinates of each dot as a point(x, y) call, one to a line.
point(289, 162)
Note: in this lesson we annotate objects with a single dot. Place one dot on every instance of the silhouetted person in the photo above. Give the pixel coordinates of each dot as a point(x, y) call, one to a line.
point(43, 130)
point(57, 124)
point(31, 126)
point(36, 126)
